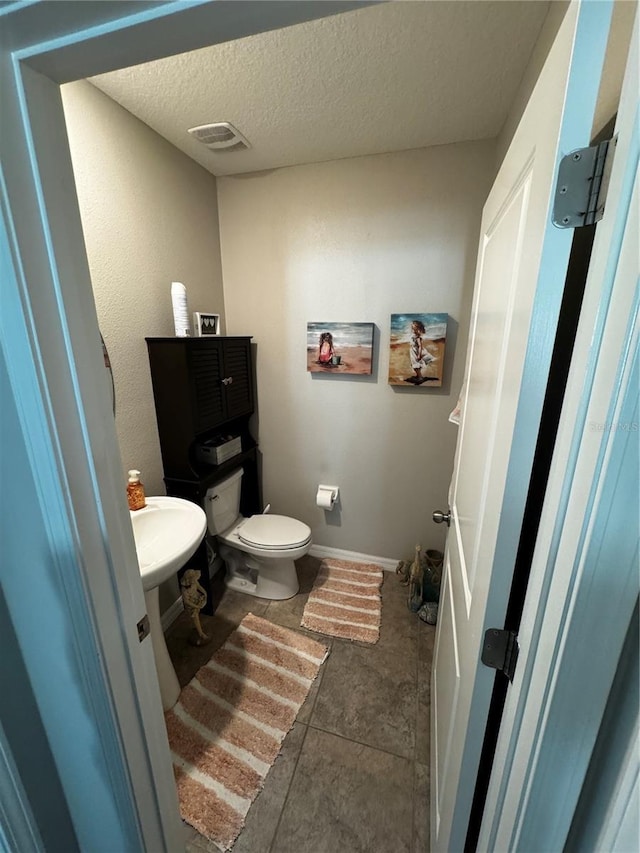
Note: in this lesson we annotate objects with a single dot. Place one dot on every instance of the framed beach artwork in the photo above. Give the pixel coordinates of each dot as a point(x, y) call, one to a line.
point(416, 355)
point(340, 348)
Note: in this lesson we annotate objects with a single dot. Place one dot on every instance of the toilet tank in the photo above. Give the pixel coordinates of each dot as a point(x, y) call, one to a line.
point(222, 503)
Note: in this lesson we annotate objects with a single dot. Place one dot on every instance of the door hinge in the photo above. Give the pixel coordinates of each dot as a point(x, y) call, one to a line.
point(143, 628)
point(500, 651)
point(583, 181)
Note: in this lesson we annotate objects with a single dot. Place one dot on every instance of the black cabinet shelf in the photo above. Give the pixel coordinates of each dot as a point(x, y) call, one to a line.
point(209, 475)
point(196, 490)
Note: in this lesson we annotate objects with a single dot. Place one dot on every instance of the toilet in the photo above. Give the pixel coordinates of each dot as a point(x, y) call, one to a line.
point(259, 551)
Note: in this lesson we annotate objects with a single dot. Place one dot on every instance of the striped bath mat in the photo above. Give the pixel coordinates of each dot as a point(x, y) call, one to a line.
point(226, 730)
point(345, 601)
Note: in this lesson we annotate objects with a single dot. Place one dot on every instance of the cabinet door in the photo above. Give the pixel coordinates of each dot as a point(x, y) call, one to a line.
point(238, 373)
point(206, 368)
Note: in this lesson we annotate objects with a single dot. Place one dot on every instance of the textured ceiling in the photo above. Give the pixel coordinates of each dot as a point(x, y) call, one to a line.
point(382, 78)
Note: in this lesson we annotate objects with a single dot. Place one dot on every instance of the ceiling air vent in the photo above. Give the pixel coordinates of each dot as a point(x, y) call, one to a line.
point(220, 136)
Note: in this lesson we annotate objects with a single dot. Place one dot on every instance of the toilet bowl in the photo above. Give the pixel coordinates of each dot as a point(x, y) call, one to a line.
point(259, 551)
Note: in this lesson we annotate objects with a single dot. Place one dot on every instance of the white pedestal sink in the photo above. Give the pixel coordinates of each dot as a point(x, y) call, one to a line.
point(167, 532)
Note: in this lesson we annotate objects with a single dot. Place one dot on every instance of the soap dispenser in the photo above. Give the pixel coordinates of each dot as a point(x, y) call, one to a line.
point(135, 491)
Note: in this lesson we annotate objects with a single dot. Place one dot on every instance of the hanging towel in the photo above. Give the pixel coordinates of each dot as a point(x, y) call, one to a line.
point(456, 414)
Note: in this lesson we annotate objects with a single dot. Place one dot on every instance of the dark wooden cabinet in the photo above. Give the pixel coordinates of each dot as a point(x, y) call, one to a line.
point(204, 388)
point(200, 385)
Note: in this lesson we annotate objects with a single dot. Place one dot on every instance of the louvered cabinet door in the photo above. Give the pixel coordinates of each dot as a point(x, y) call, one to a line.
point(238, 376)
point(209, 391)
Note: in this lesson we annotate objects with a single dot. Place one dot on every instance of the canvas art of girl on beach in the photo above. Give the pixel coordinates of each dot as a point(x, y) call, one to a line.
point(340, 348)
point(417, 344)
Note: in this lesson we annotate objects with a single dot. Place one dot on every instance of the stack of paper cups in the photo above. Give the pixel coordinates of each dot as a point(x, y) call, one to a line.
point(180, 309)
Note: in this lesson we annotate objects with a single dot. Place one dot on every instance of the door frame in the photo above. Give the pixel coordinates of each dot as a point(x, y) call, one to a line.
point(51, 347)
point(584, 579)
point(102, 715)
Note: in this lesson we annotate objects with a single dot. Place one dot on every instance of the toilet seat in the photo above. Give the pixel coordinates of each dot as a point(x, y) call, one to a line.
point(274, 532)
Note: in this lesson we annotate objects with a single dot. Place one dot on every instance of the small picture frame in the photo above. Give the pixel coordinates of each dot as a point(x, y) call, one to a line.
point(205, 325)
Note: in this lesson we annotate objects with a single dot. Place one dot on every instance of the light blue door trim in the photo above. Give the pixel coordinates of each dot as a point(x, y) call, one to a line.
point(18, 828)
point(606, 591)
point(613, 772)
point(58, 640)
point(581, 95)
point(602, 588)
point(607, 583)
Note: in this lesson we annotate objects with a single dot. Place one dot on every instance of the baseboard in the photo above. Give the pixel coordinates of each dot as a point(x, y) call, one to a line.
point(385, 563)
point(171, 614)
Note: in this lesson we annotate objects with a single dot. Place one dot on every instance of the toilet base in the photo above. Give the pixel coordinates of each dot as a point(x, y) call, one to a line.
point(275, 578)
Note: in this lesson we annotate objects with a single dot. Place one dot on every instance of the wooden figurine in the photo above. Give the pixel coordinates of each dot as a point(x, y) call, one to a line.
point(402, 570)
point(194, 597)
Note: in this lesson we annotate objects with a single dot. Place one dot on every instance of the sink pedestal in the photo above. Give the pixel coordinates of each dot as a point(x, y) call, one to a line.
point(167, 532)
point(169, 686)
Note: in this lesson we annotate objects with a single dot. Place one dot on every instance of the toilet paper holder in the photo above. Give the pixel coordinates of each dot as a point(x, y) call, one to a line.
point(327, 496)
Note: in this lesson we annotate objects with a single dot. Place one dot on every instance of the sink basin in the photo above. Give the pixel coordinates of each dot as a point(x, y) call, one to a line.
point(167, 532)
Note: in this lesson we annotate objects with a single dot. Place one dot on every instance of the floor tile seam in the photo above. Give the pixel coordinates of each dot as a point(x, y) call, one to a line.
point(320, 678)
point(382, 650)
point(286, 797)
point(381, 646)
point(361, 743)
point(195, 844)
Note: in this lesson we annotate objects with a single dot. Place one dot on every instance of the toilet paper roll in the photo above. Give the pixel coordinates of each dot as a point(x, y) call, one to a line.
point(325, 498)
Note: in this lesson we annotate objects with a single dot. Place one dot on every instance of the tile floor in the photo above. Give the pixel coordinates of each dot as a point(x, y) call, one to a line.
point(353, 774)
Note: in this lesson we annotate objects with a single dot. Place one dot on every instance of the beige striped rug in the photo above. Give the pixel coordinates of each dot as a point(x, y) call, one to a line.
point(226, 730)
point(345, 601)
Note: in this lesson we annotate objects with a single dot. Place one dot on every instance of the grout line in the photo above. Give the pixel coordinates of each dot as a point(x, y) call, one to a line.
point(295, 767)
point(320, 678)
point(286, 798)
point(361, 743)
point(411, 758)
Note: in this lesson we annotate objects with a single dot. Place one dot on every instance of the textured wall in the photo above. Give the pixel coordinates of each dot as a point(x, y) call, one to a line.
point(355, 240)
point(149, 216)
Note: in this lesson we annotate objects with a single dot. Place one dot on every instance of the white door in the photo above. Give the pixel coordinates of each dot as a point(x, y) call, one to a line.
point(521, 268)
